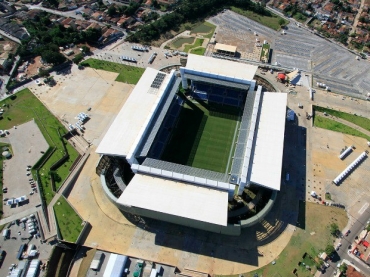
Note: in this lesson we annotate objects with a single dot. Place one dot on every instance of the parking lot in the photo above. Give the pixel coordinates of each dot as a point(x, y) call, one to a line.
point(166, 271)
point(298, 48)
point(240, 31)
point(28, 145)
point(19, 235)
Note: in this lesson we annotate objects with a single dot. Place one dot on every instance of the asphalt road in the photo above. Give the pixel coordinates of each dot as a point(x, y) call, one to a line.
point(356, 228)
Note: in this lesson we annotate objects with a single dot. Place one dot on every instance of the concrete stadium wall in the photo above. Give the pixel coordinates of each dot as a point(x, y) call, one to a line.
point(111, 197)
point(261, 215)
point(233, 230)
point(230, 229)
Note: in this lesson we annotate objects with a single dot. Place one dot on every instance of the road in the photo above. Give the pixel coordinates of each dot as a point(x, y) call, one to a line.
point(357, 226)
point(71, 14)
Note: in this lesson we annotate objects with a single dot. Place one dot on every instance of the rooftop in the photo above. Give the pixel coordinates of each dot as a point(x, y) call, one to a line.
point(268, 153)
point(220, 67)
point(225, 47)
point(133, 117)
point(176, 198)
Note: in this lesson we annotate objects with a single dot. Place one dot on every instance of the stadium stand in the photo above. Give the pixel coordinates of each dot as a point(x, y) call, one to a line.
point(186, 170)
point(243, 135)
point(159, 117)
point(218, 94)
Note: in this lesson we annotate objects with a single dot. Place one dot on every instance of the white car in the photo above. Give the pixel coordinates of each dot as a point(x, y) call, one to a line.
point(38, 82)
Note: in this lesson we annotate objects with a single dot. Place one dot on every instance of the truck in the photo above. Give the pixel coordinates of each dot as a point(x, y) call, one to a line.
point(6, 234)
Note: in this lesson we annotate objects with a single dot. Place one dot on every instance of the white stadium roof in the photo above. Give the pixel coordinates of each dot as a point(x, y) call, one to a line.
point(133, 117)
point(221, 67)
point(268, 153)
point(176, 198)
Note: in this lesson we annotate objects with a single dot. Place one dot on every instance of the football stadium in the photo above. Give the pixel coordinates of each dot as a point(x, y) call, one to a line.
point(200, 147)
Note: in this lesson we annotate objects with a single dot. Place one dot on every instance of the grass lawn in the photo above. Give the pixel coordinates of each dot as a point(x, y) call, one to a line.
point(198, 51)
point(203, 136)
point(269, 21)
point(197, 43)
point(69, 223)
point(127, 74)
point(300, 17)
point(360, 121)
point(265, 52)
point(204, 28)
point(23, 107)
point(177, 43)
point(311, 240)
point(329, 124)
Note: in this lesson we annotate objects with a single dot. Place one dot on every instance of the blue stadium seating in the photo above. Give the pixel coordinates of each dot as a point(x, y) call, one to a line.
point(216, 98)
point(231, 102)
point(201, 96)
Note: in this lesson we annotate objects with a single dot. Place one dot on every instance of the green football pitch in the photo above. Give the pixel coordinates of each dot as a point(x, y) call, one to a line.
point(203, 136)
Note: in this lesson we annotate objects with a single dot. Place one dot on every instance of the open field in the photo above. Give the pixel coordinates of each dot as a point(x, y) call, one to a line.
point(21, 108)
point(311, 239)
point(269, 21)
point(198, 51)
point(203, 138)
point(204, 28)
point(127, 74)
point(197, 43)
point(177, 43)
point(329, 124)
point(68, 221)
point(363, 122)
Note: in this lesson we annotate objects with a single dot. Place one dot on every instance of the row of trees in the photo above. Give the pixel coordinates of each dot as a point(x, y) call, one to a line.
point(191, 10)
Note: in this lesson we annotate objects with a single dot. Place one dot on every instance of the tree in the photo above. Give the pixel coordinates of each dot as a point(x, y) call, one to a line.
point(43, 73)
point(78, 58)
point(156, 4)
point(343, 268)
point(92, 35)
point(368, 226)
point(329, 249)
point(112, 10)
point(281, 22)
point(334, 229)
point(85, 49)
point(52, 57)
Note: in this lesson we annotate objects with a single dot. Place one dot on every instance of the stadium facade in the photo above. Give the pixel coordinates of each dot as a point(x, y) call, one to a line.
point(138, 181)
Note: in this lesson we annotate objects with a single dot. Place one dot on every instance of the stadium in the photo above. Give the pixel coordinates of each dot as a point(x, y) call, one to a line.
point(201, 147)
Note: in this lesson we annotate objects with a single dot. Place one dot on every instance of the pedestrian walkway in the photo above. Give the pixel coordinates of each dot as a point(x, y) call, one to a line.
point(52, 231)
point(25, 213)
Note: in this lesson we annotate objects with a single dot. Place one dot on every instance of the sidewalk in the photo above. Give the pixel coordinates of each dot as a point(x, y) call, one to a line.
point(25, 213)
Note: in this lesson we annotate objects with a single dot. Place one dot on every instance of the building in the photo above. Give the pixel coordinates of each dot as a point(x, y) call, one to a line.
point(142, 176)
point(224, 49)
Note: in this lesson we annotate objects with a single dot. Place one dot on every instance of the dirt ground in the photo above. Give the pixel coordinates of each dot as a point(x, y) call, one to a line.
point(33, 67)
